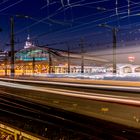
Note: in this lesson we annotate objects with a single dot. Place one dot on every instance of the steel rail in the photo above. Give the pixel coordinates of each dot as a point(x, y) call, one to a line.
point(77, 94)
point(82, 85)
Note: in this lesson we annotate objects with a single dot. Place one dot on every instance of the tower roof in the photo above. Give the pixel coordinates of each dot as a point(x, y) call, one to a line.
point(28, 43)
point(28, 38)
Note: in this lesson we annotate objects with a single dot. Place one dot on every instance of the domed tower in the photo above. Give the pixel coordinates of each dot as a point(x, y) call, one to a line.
point(28, 43)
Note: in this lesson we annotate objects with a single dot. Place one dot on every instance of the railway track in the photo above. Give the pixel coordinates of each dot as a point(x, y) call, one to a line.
point(68, 122)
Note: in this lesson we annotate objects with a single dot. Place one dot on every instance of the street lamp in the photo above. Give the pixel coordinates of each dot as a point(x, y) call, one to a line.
point(114, 34)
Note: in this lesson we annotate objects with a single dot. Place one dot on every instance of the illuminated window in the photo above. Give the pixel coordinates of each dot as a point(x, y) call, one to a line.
point(127, 69)
point(137, 69)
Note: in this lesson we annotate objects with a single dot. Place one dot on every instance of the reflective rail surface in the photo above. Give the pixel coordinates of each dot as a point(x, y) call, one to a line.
point(54, 123)
point(118, 104)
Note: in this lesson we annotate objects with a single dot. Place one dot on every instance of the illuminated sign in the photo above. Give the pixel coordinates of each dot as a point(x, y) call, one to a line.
point(131, 58)
point(36, 59)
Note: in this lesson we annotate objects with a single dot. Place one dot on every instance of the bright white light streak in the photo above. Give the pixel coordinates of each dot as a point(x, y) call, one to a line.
point(48, 2)
point(116, 7)
point(128, 7)
point(108, 87)
point(68, 2)
point(91, 96)
point(62, 2)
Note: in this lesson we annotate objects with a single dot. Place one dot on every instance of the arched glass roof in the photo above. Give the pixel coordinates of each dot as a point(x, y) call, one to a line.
point(39, 54)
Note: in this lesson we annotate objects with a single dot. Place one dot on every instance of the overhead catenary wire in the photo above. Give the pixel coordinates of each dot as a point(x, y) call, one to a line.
point(105, 18)
point(38, 22)
point(56, 12)
point(94, 21)
point(128, 7)
point(45, 6)
point(11, 5)
point(109, 10)
point(3, 2)
point(116, 7)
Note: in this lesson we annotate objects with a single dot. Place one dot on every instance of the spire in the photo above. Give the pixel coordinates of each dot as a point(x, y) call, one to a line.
point(28, 38)
point(28, 42)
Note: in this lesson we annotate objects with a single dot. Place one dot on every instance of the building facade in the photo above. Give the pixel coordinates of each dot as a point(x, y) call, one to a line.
point(33, 60)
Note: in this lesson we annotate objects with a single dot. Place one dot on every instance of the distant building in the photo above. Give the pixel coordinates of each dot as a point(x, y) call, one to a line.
point(36, 60)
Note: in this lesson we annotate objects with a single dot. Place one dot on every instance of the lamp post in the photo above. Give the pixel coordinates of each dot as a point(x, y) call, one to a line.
point(12, 43)
point(114, 36)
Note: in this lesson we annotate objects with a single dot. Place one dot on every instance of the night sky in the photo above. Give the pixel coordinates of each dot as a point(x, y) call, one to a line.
point(55, 22)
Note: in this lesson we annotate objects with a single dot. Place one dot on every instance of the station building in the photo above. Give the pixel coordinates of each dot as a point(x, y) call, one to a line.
point(42, 60)
point(36, 60)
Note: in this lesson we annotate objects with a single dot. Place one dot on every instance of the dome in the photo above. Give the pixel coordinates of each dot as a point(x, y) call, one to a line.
point(28, 43)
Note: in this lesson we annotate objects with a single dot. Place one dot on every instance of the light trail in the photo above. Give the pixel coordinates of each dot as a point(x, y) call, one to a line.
point(108, 87)
point(90, 96)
